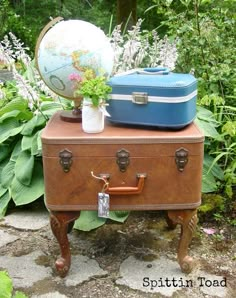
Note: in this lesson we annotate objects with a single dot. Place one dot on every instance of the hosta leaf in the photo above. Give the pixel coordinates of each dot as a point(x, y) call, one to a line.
point(24, 167)
point(208, 129)
point(10, 127)
point(39, 141)
point(208, 182)
point(89, 220)
point(216, 170)
point(16, 151)
point(4, 151)
point(26, 142)
point(48, 105)
point(36, 121)
point(7, 174)
point(12, 114)
point(6, 286)
point(16, 104)
point(34, 147)
point(25, 115)
point(19, 295)
point(2, 165)
point(119, 216)
point(23, 194)
point(3, 190)
point(4, 201)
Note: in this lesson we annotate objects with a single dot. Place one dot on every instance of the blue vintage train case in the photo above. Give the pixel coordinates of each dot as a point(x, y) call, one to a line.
point(153, 97)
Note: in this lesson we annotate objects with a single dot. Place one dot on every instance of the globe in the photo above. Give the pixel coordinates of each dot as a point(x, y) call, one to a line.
point(67, 49)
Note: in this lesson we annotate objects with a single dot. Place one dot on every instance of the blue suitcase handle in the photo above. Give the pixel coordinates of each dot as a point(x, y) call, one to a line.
point(155, 70)
point(146, 71)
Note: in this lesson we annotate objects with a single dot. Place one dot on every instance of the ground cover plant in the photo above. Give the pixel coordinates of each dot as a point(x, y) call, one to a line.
point(6, 287)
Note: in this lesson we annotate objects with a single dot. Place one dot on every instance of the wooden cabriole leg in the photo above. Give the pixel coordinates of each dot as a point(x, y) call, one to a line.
point(188, 221)
point(59, 221)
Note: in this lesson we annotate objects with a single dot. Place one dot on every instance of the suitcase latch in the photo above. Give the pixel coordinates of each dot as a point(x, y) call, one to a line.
point(140, 98)
point(65, 160)
point(122, 159)
point(181, 158)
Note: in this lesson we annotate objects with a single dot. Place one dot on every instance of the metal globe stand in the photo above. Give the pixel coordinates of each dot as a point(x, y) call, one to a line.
point(75, 115)
point(69, 116)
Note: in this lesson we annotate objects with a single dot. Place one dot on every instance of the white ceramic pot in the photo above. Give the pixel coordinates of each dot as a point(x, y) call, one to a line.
point(92, 118)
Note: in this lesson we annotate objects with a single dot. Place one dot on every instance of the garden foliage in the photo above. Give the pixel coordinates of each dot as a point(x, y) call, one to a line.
point(205, 30)
point(6, 287)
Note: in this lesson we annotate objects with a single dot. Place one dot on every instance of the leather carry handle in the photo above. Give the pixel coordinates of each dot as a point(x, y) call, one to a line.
point(124, 190)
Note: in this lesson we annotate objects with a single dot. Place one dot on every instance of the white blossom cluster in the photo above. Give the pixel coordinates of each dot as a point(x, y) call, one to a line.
point(5, 57)
point(12, 50)
point(139, 48)
point(26, 90)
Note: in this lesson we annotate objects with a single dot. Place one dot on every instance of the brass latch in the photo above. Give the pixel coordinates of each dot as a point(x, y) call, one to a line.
point(140, 98)
point(65, 160)
point(181, 158)
point(122, 159)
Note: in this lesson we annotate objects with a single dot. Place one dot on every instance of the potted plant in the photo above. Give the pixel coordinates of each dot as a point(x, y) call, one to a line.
point(95, 93)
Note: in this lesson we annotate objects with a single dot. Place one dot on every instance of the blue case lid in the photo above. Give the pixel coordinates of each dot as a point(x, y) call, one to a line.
point(177, 84)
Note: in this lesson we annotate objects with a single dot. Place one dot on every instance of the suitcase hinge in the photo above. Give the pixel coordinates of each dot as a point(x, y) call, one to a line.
point(140, 98)
point(181, 158)
point(122, 159)
point(65, 160)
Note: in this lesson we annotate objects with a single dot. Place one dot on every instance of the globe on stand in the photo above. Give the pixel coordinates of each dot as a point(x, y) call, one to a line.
point(67, 49)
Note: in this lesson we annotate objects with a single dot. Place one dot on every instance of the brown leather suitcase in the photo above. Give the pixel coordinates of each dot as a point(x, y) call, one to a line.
point(140, 169)
point(145, 169)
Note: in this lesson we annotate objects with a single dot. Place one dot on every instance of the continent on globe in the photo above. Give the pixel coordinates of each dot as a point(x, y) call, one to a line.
point(72, 47)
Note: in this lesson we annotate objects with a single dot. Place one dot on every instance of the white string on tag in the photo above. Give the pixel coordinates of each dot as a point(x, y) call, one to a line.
point(103, 198)
point(106, 183)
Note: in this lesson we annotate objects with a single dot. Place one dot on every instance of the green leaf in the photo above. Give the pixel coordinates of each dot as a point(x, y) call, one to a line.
point(4, 151)
point(16, 104)
point(26, 142)
point(6, 286)
point(16, 151)
point(215, 169)
point(3, 190)
point(24, 167)
point(19, 295)
point(48, 105)
point(208, 129)
point(88, 221)
point(23, 194)
point(4, 201)
point(119, 216)
point(12, 114)
point(39, 141)
point(208, 182)
point(7, 174)
point(34, 148)
point(36, 121)
point(206, 115)
point(25, 115)
point(10, 127)
point(2, 165)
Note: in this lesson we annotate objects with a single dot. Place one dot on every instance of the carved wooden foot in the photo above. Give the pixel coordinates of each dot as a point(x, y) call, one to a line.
point(170, 223)
point(188, 220)
point(59, 223)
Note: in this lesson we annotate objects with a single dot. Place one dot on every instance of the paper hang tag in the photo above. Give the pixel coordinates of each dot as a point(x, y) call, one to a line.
point(104, 111)
point(103, 205)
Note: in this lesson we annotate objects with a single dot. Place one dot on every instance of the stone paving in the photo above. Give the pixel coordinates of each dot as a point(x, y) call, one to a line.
point(160, 277)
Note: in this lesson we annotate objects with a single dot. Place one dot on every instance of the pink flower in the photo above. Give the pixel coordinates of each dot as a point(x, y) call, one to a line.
point(209, 231)
point(75, 77)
